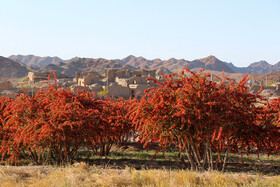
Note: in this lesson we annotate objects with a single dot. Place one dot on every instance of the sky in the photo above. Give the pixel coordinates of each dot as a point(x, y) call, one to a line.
point(237, 31)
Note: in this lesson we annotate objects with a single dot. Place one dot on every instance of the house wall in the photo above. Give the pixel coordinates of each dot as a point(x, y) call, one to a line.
point(88, 78)
point(139, 88)
point(6, 85)
point(118, 91)
point(35, 76)
point(122, 81)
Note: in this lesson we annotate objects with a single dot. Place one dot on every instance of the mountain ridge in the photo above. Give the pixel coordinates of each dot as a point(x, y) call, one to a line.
point(35, 61)
point(210, 63)
point(11, 69)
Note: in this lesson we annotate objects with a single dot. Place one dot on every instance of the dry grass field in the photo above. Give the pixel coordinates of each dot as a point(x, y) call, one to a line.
point(134, 167)
point(80, 174)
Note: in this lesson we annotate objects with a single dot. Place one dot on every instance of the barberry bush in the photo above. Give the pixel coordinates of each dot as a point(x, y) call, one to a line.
point(202, 117)
point(187, 110)
point(116, 126)
point(52, 125)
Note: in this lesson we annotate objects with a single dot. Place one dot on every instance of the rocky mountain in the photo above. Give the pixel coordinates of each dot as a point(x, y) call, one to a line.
point(35, 61)
point(83, 65)
point(11, 69)
point(139, 62)
point(267, 78)
point(61, 68)
point(69, 67)
point(163, 70)
point(210, 63)
point(261, 67)
point(175, 65)
point(236, 69)
point(99, 64)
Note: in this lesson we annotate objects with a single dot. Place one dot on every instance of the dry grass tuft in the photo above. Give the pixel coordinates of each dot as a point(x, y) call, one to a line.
point(81, 174)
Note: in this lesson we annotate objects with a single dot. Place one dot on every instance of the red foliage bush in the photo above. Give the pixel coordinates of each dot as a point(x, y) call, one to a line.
point(53, 124)
point(116, 127)
point(195, 114)
point(201, 116)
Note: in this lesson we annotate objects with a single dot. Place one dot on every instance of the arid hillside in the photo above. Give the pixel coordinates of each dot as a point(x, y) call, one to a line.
point(11, 69)
point(35, 61)
point(269, 77)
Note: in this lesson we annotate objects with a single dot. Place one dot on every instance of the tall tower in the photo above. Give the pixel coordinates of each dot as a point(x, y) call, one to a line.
point(77, 76)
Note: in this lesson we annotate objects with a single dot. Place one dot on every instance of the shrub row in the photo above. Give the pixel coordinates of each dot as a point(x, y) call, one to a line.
point(54, 124)
point(189, 110)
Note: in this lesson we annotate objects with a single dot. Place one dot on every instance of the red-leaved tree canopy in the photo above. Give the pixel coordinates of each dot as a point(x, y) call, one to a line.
point(201, 117)
point(54, 124)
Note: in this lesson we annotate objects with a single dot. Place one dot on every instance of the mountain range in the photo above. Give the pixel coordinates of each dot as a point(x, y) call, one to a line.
point(11, 69)
point(19, 65)
point(35, 61)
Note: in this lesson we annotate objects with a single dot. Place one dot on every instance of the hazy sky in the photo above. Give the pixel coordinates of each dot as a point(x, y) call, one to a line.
point(237, 31)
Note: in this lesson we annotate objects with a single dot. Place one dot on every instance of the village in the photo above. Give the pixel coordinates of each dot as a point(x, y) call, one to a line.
point(113, 82)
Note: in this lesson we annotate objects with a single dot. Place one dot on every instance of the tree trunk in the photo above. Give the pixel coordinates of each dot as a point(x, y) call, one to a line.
point(224, 163)
point(183, 161)
point(190, 158)
point(205, 156)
